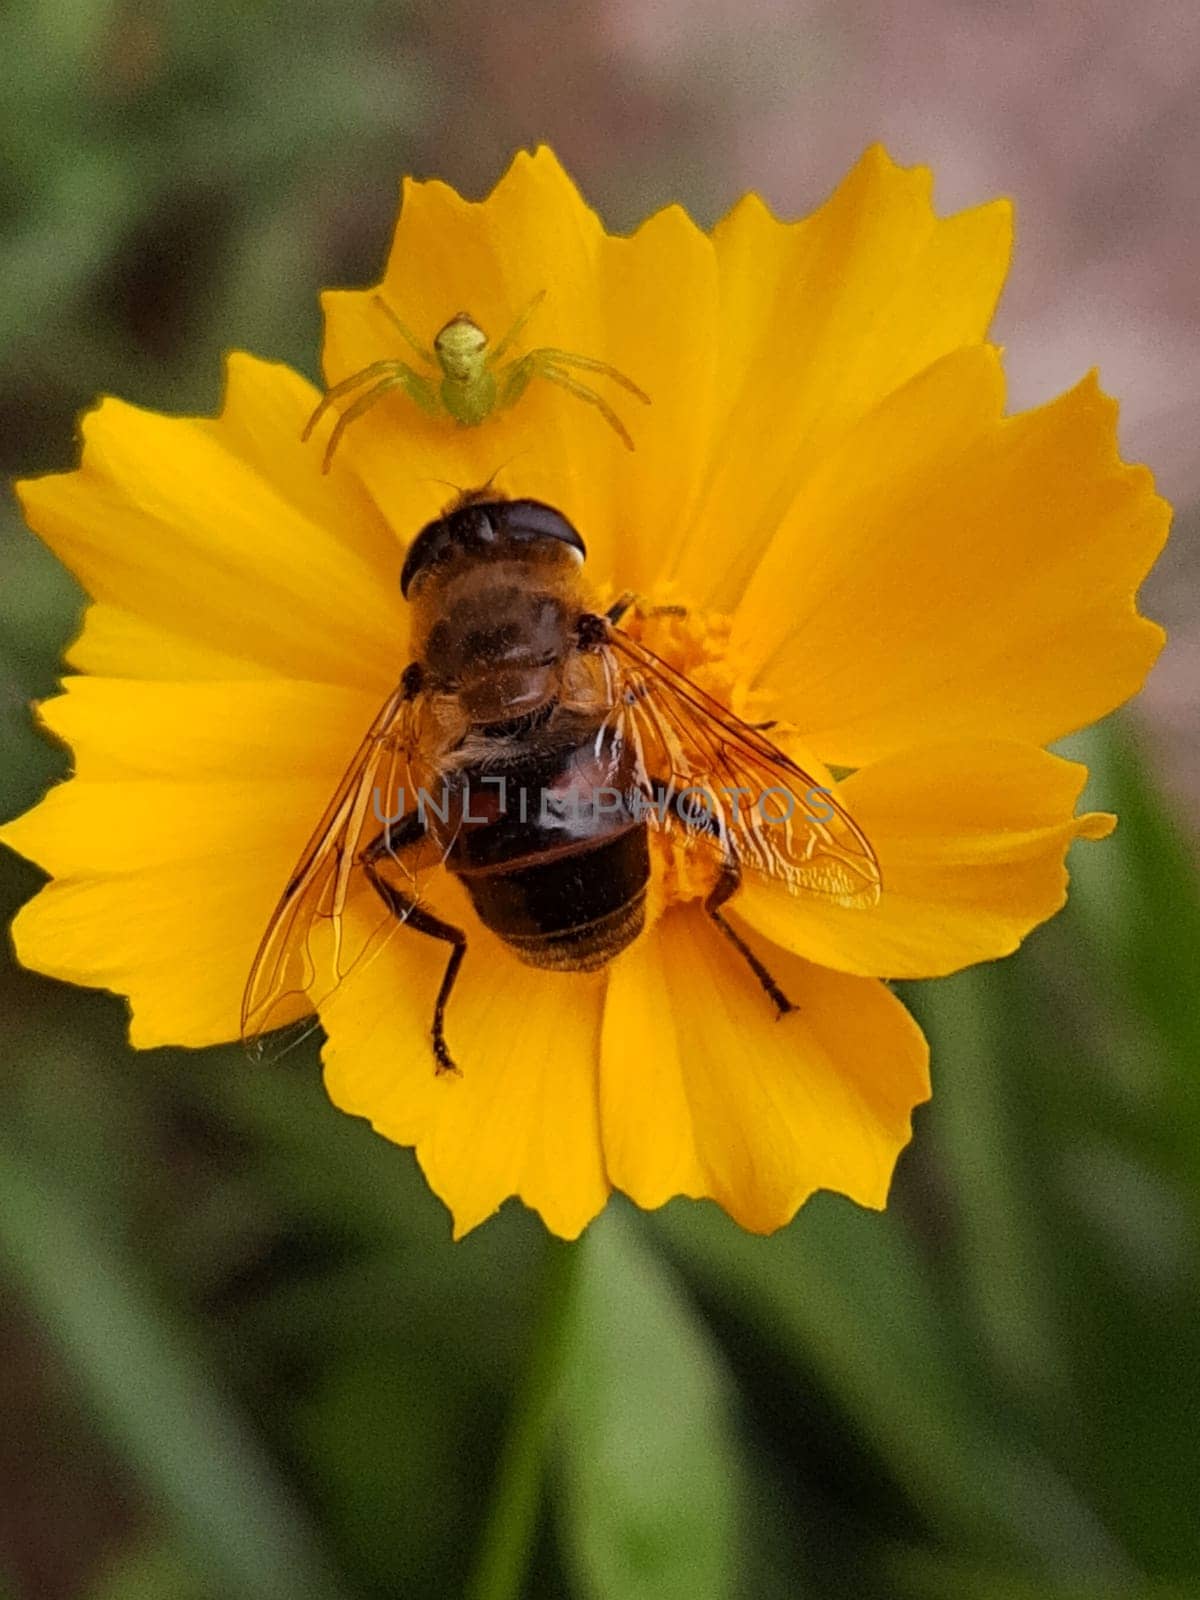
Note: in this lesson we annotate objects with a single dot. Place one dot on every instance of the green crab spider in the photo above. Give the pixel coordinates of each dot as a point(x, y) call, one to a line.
point(473, 383)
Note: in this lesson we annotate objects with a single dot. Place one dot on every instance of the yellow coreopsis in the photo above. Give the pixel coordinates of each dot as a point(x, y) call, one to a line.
point(922, 590)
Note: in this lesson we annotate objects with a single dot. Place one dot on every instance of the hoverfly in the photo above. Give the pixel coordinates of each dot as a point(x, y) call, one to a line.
point(546, 743)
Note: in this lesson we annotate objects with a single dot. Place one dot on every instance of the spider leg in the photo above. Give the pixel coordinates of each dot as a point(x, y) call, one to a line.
point(423, 351)
point(404, 379)
point(494, 355)
point(512, 381)
point(375, 370)
point(546, 369)
point(567, 358)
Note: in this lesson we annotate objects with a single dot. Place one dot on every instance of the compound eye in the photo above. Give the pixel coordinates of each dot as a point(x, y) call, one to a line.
point(427, 549)
point(532, 519)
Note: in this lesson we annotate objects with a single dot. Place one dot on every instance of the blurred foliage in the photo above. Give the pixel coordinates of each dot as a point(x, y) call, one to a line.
point(240, 1358)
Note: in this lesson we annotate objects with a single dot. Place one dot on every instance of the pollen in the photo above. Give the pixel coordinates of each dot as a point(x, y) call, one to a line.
point(696, 643)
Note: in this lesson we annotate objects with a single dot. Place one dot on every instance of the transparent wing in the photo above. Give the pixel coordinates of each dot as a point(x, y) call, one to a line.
point(717, 781)
point(311, 943)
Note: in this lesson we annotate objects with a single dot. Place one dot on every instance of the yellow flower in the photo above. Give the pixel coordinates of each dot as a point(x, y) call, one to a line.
point(924, 590)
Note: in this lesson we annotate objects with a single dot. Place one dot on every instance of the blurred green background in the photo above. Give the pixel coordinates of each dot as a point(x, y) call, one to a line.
point(239, 1357)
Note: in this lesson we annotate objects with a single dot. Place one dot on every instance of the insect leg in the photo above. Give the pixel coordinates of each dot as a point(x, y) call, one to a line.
point(726, 886)
point(399, 834)
point(632, 601)
point(406, 910)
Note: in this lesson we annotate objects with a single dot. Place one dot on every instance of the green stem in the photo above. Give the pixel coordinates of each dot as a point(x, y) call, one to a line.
point(508, 1533)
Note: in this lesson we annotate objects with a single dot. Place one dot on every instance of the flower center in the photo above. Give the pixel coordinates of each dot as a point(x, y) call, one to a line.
point(697, 644)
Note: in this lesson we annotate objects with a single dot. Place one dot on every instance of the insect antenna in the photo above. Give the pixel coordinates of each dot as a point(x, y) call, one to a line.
point(463, 496)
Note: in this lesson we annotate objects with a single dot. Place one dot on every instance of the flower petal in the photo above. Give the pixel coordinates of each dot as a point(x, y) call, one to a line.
point(948, 568)
point(645, 304)
point(970, 839)
point(820, 320)
point(86, 828)
point(216, 546)
point(177, 940)
point(264, 728)
point(521, 1117)
point(705, 1093)
point(166, 883)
